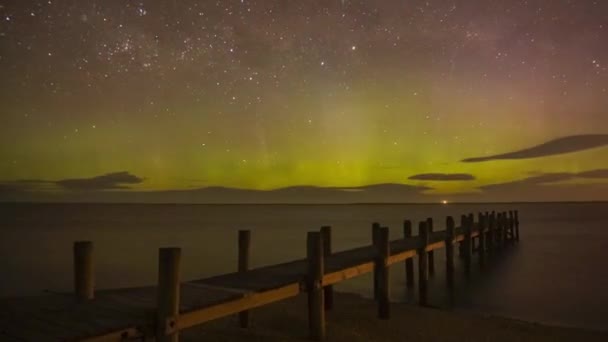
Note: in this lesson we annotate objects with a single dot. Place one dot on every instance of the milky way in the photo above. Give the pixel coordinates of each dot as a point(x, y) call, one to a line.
point(268, 94)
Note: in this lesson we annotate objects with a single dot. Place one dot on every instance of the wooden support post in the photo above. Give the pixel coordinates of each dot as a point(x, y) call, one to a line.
point(375, 234)
point(316, 308)
point(409, 262)
point(466, 225)
point(168, 292)
point(84, 273)
point(516, 225)
point(491, 232)
point(481, 249)
point(329, 289)
point(244, 255)
point(422, 264)
point(429, 226)
point(505, 228)
point(383, 248)
point(511, 226)
point(501, 230)
point(449, 252)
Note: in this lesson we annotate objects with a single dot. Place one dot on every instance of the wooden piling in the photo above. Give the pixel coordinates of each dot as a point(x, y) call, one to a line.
point(505, 225)
point(481, 248)
point(409, 262)
point(329, 289)
point(84, 273)
point(381, 265)
point(466, 225)
point(168, 292)
point(375, 234)
point(516, 225)
point(449, 252)
point(244, 256)
point(422, 264)
point(511, 226)
point(491, 232)
point(316, 306)
point(429, 226)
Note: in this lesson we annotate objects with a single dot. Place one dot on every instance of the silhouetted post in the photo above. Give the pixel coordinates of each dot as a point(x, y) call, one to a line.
point(381, 266)
point(511, 226)
point(429, 226)
point(84, 273)
point(375, 234)
point(244, 255)
point(516, 225)
point(422, 263)
point(449, 252)
point(316, 308)
point(481, 248)
point(329, 289)
point(466, 224)
point(168, 291)
point(409, 262)
point(491, 231)
point(505, 228)
point(501, 228)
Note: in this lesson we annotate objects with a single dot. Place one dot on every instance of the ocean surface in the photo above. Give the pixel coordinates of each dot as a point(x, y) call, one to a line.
point(557, 274)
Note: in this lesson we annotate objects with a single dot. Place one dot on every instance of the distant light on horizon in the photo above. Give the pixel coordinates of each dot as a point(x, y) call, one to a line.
point(444, 202)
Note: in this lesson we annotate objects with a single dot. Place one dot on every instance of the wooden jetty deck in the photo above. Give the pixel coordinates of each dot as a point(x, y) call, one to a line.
point(160, 312)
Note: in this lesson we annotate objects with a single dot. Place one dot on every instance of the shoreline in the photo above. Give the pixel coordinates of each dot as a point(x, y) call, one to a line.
point(354, 318)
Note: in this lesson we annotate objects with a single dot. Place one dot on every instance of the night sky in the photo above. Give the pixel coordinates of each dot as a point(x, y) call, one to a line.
point(458, 100)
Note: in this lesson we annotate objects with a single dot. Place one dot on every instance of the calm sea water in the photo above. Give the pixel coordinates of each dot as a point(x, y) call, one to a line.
point(557, 274)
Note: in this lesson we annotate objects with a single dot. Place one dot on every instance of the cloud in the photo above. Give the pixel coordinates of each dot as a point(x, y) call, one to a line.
point(110, 181)
point(563, 145)
point(544, 180)
point(443, 177)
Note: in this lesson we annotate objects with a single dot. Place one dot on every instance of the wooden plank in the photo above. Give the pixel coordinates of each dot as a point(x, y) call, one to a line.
point(351, 272)
point(189, 319)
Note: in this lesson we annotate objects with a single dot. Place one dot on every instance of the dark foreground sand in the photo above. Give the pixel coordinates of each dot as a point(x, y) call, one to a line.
point(354, 319)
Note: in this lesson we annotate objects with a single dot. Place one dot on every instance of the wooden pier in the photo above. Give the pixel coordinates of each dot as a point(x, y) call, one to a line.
point(160, 312)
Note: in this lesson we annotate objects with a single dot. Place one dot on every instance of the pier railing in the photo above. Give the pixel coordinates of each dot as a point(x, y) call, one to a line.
point(171, 306)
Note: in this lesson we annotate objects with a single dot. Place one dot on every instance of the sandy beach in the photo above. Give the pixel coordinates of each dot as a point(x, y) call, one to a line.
point(354, 319)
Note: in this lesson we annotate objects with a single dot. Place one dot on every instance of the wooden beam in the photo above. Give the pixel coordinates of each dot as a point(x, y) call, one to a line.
point(422, 264)
point(244, 255)
point(316, 307)
point(347, 273)
point(168, 292)
point(329, 290)
point(449, 252)
point(409, 262)
point(192, 318)
point(381, 267)
point(84, 273)
point(126, 334)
